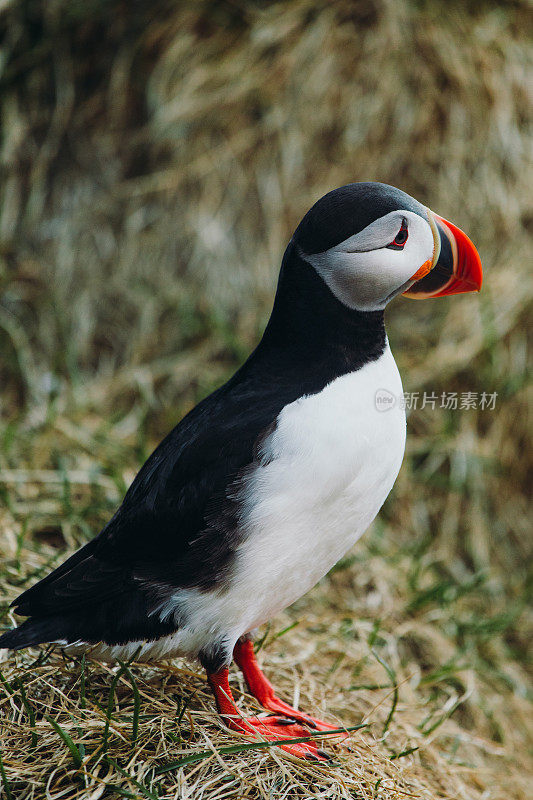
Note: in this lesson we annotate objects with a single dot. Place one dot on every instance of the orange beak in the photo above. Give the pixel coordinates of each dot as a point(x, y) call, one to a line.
point(457, 268)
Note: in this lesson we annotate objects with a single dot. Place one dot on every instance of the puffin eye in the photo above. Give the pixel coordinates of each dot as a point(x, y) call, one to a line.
point(400, 239)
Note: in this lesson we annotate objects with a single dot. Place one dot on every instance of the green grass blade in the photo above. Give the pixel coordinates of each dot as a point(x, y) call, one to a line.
point(5, 783)
point(136, 704)
point(82, 682)
point(6, 684)
point(29, 711)
point(283, 631)
point(404, 753)
point(124, 669)
point(395, 693)
point(74, 752)
point(118, 790)
point(260, 642)
point(425, 731)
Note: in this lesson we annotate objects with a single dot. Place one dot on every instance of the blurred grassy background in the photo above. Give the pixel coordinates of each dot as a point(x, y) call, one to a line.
point(155, 159)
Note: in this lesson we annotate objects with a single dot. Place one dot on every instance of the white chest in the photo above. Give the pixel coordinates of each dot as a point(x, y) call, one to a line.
point(331, 462)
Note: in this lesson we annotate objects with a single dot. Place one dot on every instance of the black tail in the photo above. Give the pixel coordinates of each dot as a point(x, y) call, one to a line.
point(118, 620)
point(90, 600)
point(31, 632)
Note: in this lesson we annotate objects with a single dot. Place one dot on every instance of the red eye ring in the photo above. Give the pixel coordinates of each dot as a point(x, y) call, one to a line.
point(401, 237)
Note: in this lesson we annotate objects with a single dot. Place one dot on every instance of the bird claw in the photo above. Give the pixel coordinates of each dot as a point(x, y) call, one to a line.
point(275, 728)
point(278, 706)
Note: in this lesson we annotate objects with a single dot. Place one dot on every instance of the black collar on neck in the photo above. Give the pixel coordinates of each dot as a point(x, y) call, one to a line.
point(311, 332)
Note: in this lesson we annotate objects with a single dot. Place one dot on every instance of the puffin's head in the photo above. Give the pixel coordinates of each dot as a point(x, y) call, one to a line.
point(370, 242)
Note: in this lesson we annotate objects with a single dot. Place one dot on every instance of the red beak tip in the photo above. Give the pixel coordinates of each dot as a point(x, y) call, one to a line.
point(469, 275)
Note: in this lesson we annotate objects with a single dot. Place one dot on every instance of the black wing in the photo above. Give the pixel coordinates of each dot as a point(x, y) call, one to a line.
point(177, 526)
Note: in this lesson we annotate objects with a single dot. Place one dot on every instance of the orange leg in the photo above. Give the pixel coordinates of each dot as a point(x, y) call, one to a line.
point(270, 729)
point(263, 691)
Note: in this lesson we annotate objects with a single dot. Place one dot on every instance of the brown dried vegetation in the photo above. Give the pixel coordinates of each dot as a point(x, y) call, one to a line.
point(155, 159)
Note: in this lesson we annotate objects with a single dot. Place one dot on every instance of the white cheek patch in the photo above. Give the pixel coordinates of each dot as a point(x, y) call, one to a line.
point(363, 273)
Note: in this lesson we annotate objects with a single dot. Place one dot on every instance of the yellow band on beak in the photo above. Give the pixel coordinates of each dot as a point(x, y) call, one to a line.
point(436, 238)
point(428, 265)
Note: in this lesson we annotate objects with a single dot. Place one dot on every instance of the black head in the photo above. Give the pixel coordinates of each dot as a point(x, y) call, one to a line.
point(346, 211)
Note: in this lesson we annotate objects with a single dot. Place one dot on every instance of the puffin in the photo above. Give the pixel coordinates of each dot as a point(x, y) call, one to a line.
point(266, 483)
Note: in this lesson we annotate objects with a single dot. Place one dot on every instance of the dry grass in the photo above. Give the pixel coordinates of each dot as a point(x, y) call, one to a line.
point(155, 159)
